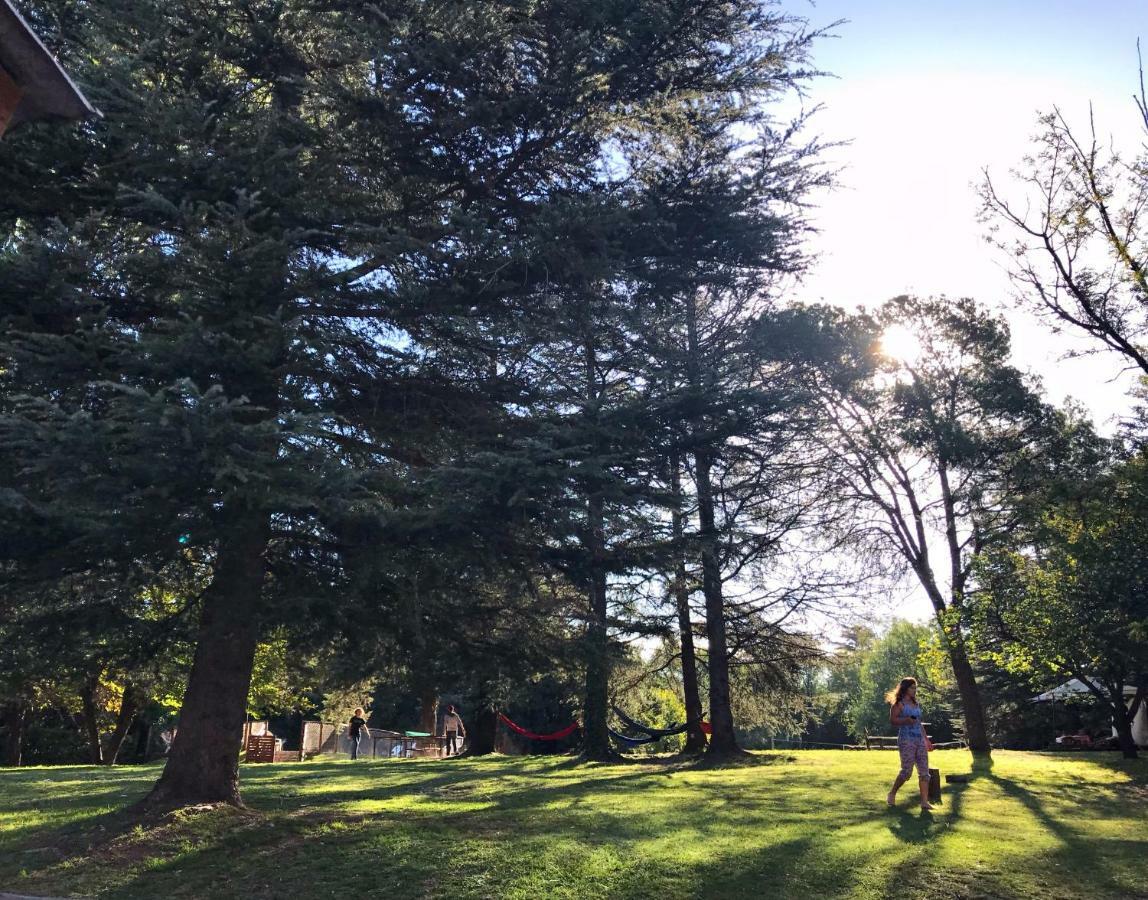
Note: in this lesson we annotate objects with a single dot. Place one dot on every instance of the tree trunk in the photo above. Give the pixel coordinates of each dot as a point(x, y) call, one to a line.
point(595, 711)
point(91, 719)
point(129, 706)
point(1122, 722)
point(480, 736)
point(596, 734)
point(143, 741)
point(203, 765)
point(695, 737)
point(723, 740)
point(975, 729)
point(15, 721)
point(976, 732)
point(428, 710)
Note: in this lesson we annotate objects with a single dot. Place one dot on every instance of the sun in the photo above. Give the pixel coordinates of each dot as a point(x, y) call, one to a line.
point(900, 344)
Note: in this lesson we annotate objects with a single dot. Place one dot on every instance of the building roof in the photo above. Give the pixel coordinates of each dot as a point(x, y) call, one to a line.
point(48, 92)
point(1075, 688)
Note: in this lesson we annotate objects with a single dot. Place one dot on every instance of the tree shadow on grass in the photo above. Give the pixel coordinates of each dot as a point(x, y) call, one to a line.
point(114, 841)
point(334, 783)
point(315, 795)
point(538, 827)
point(85, 807)
point(982, 767)
point(778, 870)
point(539, 830)
point(522, 845)
point(912, 826)
point(1077, 859)
point(384, 783)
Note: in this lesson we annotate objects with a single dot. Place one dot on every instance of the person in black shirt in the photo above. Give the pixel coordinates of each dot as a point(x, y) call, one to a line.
point(355, 731)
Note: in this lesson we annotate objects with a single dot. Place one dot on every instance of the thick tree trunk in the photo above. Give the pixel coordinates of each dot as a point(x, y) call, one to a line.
point(143, 741)
point(129, 706)
point(595, 711)
point(203, 765)
point(723, 740)
point(91, 720)
point(695, 737)
point(976, 732)
point(428, 710)
point(596, 735)
point(15, 722)
point(1122, 722)
point(480, 736)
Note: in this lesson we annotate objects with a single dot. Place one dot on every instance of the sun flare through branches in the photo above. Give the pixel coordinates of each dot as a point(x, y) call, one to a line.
point(900, 344)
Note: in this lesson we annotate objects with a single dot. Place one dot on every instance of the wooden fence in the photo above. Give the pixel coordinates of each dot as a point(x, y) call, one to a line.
point(872, 742)
point(261, 746)
point(330, 739)
point(885, 742)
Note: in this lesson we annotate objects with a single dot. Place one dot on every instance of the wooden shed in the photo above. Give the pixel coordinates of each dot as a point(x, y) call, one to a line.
point(33, 84)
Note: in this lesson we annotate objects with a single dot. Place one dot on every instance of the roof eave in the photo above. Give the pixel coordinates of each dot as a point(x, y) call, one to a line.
point(48, 90)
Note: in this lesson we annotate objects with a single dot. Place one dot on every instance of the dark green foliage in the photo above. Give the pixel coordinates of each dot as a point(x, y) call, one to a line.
point(255, 320)
point(1069, 599)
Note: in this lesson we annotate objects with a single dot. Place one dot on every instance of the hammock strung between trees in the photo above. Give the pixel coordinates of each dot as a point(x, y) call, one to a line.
point(655, 732)
point(646, 729)
point(705, 727)
point(628, 741)
point(534, 736)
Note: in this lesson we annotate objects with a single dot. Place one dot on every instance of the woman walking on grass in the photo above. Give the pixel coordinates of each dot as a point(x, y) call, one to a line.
point(912, 742)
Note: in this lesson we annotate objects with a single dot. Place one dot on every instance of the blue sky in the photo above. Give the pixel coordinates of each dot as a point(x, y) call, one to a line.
point(1091, 42)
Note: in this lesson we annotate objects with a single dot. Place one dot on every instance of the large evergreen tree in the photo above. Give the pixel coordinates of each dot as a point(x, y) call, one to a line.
point(236, 307)
point(727, 233)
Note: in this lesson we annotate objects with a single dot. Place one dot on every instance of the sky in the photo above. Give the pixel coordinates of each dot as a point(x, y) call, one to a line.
point(929, 95)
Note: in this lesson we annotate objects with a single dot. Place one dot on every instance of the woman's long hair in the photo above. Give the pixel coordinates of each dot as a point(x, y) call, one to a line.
point(898, 693)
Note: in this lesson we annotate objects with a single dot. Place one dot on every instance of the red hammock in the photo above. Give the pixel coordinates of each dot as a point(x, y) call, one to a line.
point(707, 728)
point(556, 736)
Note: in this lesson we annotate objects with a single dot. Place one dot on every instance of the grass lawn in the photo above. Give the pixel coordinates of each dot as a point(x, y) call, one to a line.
point(807, 825)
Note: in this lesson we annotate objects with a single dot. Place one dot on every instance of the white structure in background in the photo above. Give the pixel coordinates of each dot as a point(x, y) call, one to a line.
point(1076, 689)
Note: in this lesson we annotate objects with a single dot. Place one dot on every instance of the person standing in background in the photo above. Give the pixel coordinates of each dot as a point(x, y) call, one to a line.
point(355, 731)
point(452, 725)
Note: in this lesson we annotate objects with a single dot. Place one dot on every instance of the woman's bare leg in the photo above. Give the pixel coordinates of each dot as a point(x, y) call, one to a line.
point(900, 780)
point(924, 782)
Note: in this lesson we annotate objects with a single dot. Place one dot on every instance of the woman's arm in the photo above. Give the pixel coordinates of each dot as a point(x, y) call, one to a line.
point(895, 717)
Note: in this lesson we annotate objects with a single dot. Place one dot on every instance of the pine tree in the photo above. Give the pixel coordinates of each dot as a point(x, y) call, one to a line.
point(236, 306)
point(729, 229)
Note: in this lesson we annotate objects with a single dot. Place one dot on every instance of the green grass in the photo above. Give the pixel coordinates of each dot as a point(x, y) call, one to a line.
point(804, 825)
